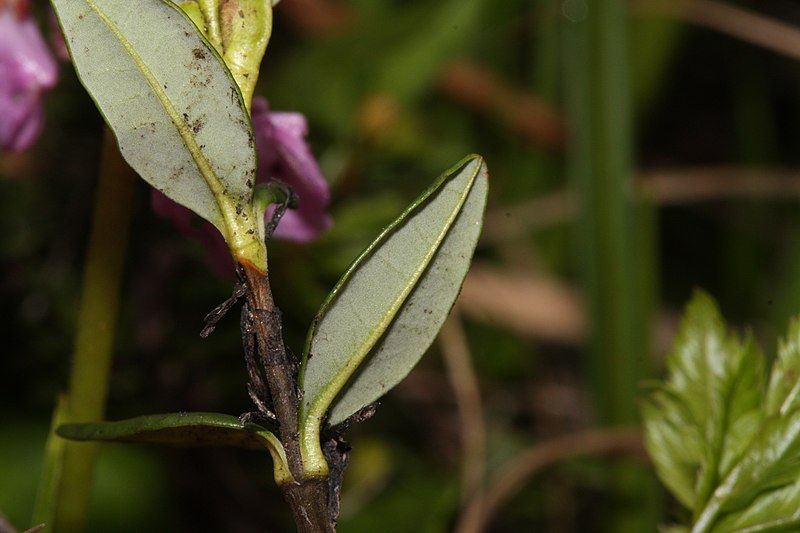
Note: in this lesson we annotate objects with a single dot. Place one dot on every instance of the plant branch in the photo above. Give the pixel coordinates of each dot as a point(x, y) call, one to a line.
point(307, 497)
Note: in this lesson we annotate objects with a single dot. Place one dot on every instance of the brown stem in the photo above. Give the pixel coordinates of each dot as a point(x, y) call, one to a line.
point(307, 497)
point(309, 503)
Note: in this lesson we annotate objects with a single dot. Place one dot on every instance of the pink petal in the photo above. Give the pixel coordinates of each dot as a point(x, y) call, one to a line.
point(27, 69)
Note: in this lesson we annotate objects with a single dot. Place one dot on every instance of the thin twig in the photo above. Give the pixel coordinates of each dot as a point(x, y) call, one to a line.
point(743, 24)
point(461, 374)
point(519, 471)
point(213, 318)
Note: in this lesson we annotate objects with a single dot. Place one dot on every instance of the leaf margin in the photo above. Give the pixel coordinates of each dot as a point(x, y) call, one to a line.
point(239, 221)
point(127, 430)
point(311, 417)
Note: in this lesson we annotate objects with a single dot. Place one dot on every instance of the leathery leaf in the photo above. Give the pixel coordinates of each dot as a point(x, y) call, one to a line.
point(185, 429)
point(388, 307)
point(175, 109)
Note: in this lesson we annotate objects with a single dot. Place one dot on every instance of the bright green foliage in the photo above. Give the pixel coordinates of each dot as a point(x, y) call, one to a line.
point(185, 429)
point(723, 441)
point(386, 310)
point(175, 109)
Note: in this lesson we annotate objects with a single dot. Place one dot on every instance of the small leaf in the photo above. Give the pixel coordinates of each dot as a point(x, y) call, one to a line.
point(386, 310)
point(210, 11)
point(185, 429)
point(700, 422)
point(176, 111)
point(246, 26)
point(726, 448)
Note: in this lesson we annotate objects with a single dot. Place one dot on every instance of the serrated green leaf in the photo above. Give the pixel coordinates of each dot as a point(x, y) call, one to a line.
point(713, 396)
point(756, 486)
point(772, 462)
point(783, 393)
point(674, 443)
point(774, 511)
point(174, 107)
point(185, 429)
point(386, 310)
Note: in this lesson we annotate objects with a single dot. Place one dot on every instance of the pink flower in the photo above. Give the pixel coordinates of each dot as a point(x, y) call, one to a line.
point(27, 70)
point(283, 156)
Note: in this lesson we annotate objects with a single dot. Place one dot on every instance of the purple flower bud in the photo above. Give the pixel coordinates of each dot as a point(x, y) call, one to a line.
point(27, 69)
point(283, 156)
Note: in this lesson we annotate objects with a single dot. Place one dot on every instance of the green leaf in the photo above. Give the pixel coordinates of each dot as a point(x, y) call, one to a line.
point(192, 10)
point(763, 492)
point(246, 27)
point(699, 423)
point(772, 463)
point(174, 107)
point(210, 11)
point(728, 449)
point(185, 429)
point(783, 394)
point(674, 443)
point(774, 511)
point(386, 310)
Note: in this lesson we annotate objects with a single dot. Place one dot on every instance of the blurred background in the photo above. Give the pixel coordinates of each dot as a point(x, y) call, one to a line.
point(637, 151)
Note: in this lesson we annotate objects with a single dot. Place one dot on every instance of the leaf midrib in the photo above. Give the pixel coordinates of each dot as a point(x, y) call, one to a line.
point(225, 206)
point(325, 397)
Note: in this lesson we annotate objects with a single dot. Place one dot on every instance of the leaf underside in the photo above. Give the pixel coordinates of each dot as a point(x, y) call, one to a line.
point(168, 98)
point(724, 439)
point(387, 309)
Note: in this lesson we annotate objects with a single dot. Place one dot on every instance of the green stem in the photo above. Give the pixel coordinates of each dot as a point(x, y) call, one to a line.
point(97, 318)
point(611, 253)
